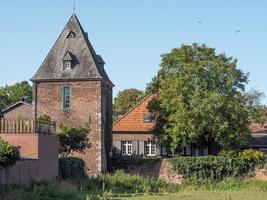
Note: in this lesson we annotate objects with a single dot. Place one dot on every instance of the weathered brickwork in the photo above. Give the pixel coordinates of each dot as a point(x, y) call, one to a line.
point(90, 104)
point(40, 158)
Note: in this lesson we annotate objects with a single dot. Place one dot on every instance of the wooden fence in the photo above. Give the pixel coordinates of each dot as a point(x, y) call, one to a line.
point(26, 126)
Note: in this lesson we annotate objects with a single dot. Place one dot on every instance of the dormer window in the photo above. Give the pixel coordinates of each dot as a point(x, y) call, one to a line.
point(68, 61)
point(67, 64)
point(148, 118)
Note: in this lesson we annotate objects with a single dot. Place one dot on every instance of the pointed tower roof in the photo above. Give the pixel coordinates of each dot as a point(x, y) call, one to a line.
point(72, 43)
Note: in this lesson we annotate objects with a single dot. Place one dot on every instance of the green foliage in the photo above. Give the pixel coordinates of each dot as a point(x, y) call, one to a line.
point(228, 164)
point(63, 190)
point(120, 162)
point(44, 117)
point(71, 168)
point(229, 184)
point(73, 139)
point(121, 186)
point(9, 154)
point(258, 111)
point(126, 99)
point(201, 98)
point(10, 94)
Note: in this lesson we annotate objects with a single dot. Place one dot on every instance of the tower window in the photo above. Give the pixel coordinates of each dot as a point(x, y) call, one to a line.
point(67, 64)
point(66, 97)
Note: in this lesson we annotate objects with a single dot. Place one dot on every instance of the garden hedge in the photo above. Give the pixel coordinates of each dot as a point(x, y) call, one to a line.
point(9, 154)
point(71, 168)
point(219, 167)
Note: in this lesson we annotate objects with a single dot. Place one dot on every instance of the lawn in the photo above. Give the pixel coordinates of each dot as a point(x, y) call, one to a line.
point(205, 195)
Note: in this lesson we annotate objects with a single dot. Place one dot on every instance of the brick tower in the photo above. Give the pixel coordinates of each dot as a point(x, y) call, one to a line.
point(72, 87)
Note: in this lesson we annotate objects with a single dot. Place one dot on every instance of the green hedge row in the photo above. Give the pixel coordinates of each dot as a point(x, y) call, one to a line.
point(71, 168)
point(9, 154)
point(122, 162)
point(219, 167)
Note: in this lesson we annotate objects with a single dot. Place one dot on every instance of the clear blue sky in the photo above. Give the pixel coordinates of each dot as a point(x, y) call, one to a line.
point(132, 34)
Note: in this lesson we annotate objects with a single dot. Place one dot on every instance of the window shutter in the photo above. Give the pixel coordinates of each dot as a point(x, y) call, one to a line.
point(158, 149)
point(118, 147)
point(141, 148)
point(135, 147)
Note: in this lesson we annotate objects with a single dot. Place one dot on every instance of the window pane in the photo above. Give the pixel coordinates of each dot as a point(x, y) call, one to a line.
point(66, 97)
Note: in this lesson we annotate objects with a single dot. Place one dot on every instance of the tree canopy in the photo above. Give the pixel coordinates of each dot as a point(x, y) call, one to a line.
point(126, 99)
point(73, 139)
point(201, 97)
point(10, 94)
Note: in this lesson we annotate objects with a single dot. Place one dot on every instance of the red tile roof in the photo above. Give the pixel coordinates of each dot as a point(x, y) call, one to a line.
point(133, 121)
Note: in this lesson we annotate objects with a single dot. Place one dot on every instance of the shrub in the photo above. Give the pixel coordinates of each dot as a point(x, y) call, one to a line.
point(120, 162)
point(71, 167)
point(218, 167)
point(45, 118)
point(72, 139)
point(120, 182)
point(9, 154)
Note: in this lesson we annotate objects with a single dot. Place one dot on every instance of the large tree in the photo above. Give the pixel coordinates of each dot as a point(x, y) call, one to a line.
point(126, 99)
point(10, 94)
point(258, 110)
point(201, 97)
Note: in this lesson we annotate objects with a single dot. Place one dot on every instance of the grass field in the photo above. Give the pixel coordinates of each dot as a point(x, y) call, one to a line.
point(205, 196)
point(123, 186)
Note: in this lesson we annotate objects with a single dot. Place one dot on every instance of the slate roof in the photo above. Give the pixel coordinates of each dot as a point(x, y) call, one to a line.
point(258, 140)
point(133, 120)
point(15, 105)
point(87, 64)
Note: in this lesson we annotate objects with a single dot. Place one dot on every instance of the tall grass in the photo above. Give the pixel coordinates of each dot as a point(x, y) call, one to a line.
point(107, 186)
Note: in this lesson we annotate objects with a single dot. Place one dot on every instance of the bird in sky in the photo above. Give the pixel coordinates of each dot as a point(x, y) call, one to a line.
point(199, 22)
point(237, 31)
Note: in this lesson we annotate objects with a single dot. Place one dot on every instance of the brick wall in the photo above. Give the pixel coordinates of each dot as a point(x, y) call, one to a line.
point(41, 153)
point(28, 143)
point(86, 107)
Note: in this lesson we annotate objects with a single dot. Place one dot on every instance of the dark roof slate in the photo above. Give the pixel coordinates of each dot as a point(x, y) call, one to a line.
point(258, 140)
point(87, 64)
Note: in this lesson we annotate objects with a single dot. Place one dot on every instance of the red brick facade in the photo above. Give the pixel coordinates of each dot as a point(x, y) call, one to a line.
point(40, 158)
point(90, 104)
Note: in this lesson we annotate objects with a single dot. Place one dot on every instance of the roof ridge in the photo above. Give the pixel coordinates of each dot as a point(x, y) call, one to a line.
point(15, 104)
point(140, 102)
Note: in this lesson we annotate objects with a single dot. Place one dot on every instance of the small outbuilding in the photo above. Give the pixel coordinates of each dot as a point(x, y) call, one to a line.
point(20, 109)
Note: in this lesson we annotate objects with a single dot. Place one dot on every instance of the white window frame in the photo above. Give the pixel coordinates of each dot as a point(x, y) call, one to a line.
point(127, 148)
point(67, 64)
point(150, 148)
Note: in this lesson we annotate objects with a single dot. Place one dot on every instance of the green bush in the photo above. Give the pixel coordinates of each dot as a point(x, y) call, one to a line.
point(120, 182)
point(45, 118)
point(219, 167)
point(9, 154)
point(73, 139)
point(121, 162)
point(71, 167)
